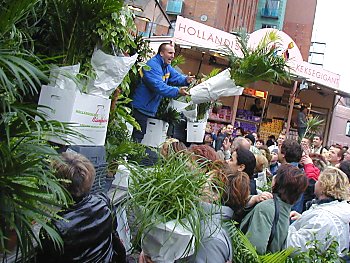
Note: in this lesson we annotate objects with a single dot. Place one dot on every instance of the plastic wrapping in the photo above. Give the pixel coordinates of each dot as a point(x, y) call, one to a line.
point(218, 86)
point(110, 71)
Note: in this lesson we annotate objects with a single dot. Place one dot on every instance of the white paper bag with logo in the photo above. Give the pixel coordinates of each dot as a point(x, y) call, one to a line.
point(218, 86)
point(168, 242)
point(110, 71)
point(63, 77)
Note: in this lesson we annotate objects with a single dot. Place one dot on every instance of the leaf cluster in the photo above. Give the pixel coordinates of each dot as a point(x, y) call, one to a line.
point(68, 28)
point(29, 190)
point(313, 125)
point(317, 253)
point(260, 63)
point(166, 113)
point(170, 190)
point(244, 251)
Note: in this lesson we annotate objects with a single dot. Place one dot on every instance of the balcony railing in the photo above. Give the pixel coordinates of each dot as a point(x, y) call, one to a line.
point(174, 7)
point(269, 12)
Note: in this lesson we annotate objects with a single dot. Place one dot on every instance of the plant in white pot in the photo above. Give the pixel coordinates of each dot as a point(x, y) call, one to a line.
point(166, 201)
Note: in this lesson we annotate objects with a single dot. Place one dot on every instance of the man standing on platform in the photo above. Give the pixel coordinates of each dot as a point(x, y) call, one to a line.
point(155, 85)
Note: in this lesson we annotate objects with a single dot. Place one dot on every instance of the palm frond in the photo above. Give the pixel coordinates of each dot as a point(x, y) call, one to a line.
point(260, 63)
point(12, 12)
point(244, 251)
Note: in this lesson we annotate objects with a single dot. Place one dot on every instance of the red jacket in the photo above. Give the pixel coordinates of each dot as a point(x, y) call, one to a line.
point(311, 171)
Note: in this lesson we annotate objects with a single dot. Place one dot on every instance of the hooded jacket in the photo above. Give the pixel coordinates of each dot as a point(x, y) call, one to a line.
point(155, 84)
point(320, 221)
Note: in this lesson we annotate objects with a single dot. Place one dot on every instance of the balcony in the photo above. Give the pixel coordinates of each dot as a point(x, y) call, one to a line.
point(269, 12)
point(174, 7)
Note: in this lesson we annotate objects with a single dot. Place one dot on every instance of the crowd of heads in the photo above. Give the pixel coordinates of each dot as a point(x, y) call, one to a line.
point(236, 166)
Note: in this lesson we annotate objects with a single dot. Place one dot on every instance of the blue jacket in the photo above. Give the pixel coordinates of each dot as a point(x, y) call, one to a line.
point(154, 86)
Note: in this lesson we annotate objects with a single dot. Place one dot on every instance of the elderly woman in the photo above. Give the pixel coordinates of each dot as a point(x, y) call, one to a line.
point(87, 227)
point(328, 216)
point(267, 224)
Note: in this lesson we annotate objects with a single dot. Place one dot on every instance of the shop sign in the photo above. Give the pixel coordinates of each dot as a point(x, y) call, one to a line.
point(315, 74)
point(194, 33)
point(198, 34)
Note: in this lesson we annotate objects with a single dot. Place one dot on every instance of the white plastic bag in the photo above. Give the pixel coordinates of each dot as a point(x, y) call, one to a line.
point(63, 77)
point(168, 242)
point(110, 72)
point(123, 229)
point(218, 86)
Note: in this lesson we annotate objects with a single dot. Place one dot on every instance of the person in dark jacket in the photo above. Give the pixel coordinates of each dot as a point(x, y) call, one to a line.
point(156, 84)
point(88, 227)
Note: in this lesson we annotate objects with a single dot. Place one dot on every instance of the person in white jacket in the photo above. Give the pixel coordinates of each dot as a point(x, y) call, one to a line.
point(329, 215)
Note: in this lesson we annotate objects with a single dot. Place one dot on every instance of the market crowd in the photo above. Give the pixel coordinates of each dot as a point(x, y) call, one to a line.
point(282, 193)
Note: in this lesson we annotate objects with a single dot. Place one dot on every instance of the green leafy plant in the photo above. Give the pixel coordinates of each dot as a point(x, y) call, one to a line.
point(244, 251)
point(171, 190)
point(166, 113)
point(178, 60)
point(260, 63)
point(316, 252)
point(29, 191)
point(313, 126)
point(68, 29)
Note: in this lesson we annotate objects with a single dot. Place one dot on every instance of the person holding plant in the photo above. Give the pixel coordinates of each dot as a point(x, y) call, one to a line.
point(156, 84)
point(88, 227)
point(266, 225)
point(329, 214)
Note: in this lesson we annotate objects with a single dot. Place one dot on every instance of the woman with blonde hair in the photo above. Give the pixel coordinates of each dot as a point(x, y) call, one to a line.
point(329, 215)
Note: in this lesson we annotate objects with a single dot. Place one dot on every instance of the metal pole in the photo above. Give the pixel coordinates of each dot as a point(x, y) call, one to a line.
point(291, 106)
point(154, 11)
point(200, 63)
point(234, 109)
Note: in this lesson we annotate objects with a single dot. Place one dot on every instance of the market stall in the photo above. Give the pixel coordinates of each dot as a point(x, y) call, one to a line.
point(311, 86)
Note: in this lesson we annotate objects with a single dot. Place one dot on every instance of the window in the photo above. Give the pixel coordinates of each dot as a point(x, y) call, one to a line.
point(268, 26)
point(151, 28)
point(272, 4)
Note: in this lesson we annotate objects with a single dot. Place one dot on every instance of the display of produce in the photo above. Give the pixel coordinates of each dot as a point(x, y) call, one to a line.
point(273, 127)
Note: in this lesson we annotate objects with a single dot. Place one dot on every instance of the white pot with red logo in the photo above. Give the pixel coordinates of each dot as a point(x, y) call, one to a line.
point(88, 113)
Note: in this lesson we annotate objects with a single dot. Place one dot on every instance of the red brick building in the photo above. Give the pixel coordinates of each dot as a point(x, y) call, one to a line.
point(298, 23)
point(226, 15)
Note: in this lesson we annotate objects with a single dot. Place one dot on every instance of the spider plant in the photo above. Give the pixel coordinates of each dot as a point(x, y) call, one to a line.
point(170, 190)
point(260, 63)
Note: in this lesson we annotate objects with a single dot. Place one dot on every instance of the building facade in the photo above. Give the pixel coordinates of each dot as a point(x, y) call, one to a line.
point(270, 14)
point(298, 23)
point(226, 15)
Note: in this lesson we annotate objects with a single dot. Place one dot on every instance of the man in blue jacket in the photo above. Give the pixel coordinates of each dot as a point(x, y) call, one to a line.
point(156, 84)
